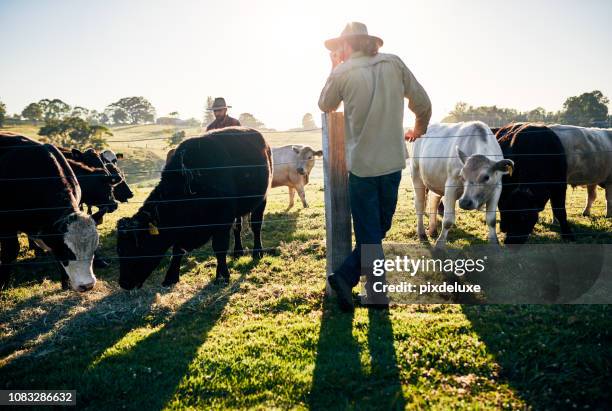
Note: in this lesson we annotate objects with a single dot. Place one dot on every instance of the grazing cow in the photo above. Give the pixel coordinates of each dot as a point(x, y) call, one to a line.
point(460, 162)
point(108, 161)
point(589, 160)
point(209, 182)
point(292, 166)
point(96, 185)
point(40, 197)
point(541, 176)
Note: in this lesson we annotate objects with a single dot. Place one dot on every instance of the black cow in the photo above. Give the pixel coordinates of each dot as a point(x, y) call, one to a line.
point(96, 186)
point(541, 170)
point(39, 195)
point(209, 182)
point(89, 157)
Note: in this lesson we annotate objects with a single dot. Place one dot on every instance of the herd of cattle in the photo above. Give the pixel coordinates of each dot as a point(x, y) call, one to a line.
point(210, 182)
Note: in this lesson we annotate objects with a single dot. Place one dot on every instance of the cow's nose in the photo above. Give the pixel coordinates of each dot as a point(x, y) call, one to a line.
point(86, 287)
point(300, 170)
point(466, 204)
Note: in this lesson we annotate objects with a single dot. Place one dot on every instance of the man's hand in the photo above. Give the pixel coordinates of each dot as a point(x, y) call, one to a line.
point(336, 58)
point(412, 136)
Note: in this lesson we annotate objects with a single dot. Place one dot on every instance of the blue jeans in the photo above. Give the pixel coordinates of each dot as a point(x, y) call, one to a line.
point(373, 201)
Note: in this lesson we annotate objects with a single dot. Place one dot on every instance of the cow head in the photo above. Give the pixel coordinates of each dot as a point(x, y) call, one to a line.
point(305, 159)
point(74, 247)
point(481, 178)
point(88, 157)
point(121, 189)
point(518, 211)
point(140, 246)
point(96, 186)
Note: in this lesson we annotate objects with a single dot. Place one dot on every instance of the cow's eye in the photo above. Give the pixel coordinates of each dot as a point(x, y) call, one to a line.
point(485, 179)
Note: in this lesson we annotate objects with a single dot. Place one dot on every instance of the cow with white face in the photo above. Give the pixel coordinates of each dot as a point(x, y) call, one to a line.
point(292, 167)
point(39, 196)
point(79, 241)
point(589, 160)
point(462, 162)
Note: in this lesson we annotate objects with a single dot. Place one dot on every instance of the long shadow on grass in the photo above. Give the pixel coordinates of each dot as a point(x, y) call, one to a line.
point(554, 357)
point(154, 366)
point(45, 312)
point(89, 354)
point(59, 362)
point(339, 381)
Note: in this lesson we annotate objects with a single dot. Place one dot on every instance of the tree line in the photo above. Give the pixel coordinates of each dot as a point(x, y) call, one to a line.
point(76, 126)
point(587, 110)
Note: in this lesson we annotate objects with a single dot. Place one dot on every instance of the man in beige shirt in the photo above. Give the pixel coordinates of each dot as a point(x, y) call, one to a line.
point(372, 86)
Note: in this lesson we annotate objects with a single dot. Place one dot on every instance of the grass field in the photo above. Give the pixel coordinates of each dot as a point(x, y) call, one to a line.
point(270, 340)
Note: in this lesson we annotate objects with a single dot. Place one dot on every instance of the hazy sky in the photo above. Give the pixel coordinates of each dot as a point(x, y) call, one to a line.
point(267, 57)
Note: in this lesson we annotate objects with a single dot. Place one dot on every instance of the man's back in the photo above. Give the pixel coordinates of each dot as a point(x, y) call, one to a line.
point(373, 90)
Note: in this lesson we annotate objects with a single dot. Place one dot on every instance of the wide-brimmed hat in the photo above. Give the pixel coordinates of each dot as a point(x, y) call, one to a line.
point(218, 104)
point(353, 29)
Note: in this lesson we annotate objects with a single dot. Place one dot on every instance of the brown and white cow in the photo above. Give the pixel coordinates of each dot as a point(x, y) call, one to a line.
point(292, 166)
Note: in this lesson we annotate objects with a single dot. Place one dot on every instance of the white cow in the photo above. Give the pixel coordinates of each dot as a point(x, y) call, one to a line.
point(462, 162)
point(589, 160)
point(292, 166)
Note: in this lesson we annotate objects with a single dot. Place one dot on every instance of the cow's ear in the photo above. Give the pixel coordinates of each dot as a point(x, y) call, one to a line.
point(119, 156)
point(504, 166)
point(461, 154)
point(319, 153)
point(296, 149)
point(90, 150)
point(76, 153)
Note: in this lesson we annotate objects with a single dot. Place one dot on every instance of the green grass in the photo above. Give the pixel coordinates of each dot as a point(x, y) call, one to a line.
point(271, 340)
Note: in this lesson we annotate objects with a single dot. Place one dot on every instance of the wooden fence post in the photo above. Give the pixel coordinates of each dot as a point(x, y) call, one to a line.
point(337, 208)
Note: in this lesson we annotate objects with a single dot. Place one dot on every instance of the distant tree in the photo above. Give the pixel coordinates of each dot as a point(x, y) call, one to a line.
point(173, 114)
point(93, 117)
point(308, 122)
point(249, 120)
point(209, 117)
point(104, 118)
point(74, 132)
point(118, 115)
point(2, 113)
point(537, 114)
point(138, 110)
point(54, 109)
point(33, 112)
point(585, 109)
point(80, 112)
point(192, 122)
point(176, 138)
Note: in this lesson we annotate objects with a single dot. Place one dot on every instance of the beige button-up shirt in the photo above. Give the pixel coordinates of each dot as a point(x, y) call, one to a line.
point(373, 91)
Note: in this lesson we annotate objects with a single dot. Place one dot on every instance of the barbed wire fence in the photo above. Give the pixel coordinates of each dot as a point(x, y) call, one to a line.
point(318, 168)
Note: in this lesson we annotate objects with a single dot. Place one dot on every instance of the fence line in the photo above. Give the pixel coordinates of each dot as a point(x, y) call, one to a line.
point(266, 132)
point(264, 249)
point(317, 165)
point(280, 220)
point(268, 195)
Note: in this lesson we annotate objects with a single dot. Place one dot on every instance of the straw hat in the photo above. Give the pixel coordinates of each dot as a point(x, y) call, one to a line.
point(354, 29)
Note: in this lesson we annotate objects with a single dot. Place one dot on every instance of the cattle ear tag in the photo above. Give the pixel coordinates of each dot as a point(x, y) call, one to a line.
point(153, 229)
point(510, 170)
